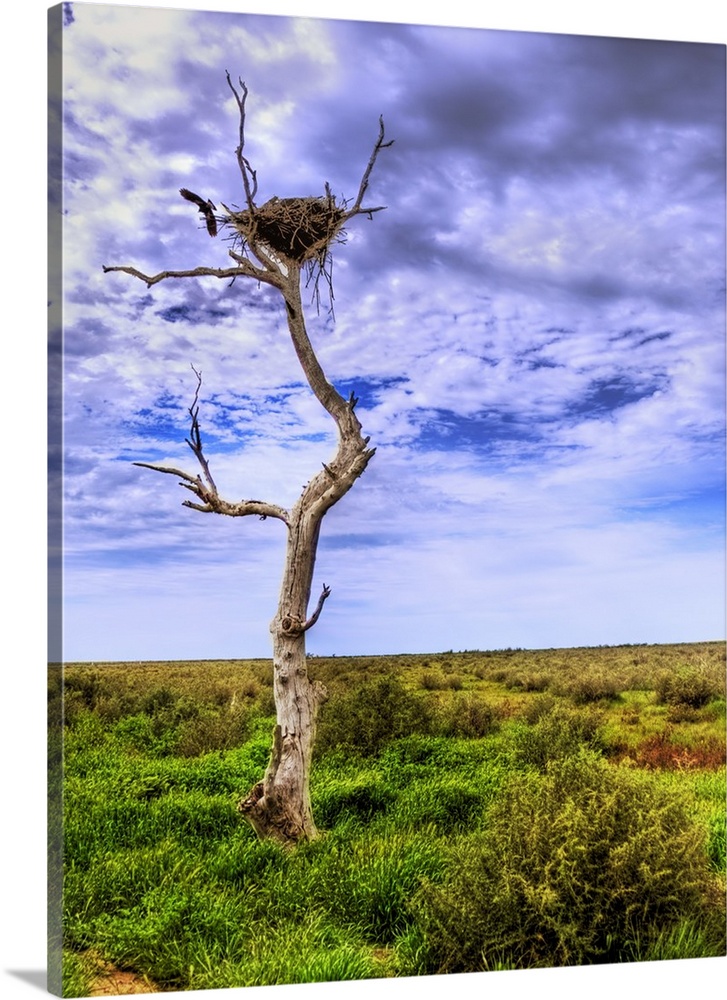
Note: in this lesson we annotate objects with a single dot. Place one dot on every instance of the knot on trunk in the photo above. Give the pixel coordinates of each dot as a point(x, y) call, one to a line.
point(246, 805)
point(292, 625)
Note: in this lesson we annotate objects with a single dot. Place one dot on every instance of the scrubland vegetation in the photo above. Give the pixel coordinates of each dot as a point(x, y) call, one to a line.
point(482, 810)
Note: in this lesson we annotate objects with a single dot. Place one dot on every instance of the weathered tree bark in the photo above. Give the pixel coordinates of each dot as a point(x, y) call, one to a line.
point(279, 805)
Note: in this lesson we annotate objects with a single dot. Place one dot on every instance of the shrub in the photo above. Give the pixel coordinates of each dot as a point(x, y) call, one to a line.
point(218, 730)
point(431, 681)
point(557, 733)
point(371, 716)
point(592, 687)
point(692, 686)
point(536, 708)
point(530, 682)
point(575, 865)
point(89, 685)
point(139, 733)
point(157, 700)
point(469, 715)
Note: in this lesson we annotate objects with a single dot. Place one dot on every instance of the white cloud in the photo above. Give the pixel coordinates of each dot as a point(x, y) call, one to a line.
point(532, 325)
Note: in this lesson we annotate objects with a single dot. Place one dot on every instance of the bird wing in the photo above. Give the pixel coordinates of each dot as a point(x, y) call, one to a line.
point(205, 207)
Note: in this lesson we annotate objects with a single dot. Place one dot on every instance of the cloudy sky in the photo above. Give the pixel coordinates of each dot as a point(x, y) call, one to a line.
point(534, 326)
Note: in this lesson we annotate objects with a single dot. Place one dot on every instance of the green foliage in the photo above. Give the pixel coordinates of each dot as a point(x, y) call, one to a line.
point(689, 938)
point(366, 883)
point(717, 841)
point(308, 951)
point(416, 757)
point(592, 687)
point(468, 715)
point(557, 733)
point(371, 716)
point(447, 804)
point(363, 797)
point(573, 864)
point(692, 686)
point(78, 975)
point(472, 789)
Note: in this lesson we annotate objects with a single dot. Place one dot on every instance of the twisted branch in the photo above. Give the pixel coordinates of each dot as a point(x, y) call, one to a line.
point(245, 268)
point(204, 487)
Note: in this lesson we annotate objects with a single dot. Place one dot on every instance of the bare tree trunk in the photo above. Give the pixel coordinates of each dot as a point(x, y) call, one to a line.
point(279, 806)
point(283, 236)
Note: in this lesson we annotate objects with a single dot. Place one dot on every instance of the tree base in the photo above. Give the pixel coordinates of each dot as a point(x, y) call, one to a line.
point(271, 820)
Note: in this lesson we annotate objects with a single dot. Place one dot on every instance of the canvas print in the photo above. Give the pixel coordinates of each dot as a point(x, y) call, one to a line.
point(386, 421)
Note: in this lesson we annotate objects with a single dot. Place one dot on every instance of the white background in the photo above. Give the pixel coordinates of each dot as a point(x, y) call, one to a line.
point(22, 437)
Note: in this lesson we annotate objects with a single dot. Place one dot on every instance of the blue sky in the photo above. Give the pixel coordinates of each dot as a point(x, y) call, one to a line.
point(535, 329)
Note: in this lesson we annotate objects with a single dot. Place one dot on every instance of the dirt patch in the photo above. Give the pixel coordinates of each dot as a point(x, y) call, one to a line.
point(112, 982)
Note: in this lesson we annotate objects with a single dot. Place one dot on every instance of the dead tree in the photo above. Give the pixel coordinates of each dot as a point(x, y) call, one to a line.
point(278, 243)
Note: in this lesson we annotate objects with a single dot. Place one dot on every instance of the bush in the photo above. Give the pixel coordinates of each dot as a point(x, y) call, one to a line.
point(213, 730)
point(528, 682)
point(691, 686)
point(468, 715)
point(140, 734)
point(371, 716)
point(661, 751)
point(431, 681)
point(575, 865)
point(557, 733)
point(592, 687)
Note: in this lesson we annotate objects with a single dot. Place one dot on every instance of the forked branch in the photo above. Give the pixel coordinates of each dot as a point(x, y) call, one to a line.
point(245, 269)
point(195, 434)
point(204, 487)
point(249, 176)
point(357, 208)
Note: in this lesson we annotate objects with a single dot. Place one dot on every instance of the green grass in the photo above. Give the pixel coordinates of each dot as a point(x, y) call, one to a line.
point(436, 778)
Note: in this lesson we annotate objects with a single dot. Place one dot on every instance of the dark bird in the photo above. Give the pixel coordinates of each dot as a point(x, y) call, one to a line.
point(206, 208)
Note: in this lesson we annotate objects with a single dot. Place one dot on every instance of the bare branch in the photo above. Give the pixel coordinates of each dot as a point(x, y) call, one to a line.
point(248, 174)
point(292, 625)
point(179, 473)
point(357, 208)
point(213, 503)
point(310, 622)
point(196, 443)
point(206, 489)
point(245, 269)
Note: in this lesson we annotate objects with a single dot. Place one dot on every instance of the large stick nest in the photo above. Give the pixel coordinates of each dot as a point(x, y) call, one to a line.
point(298, 229)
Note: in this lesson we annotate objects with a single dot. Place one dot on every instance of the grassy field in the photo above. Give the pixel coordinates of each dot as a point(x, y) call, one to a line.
point(481, 810)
